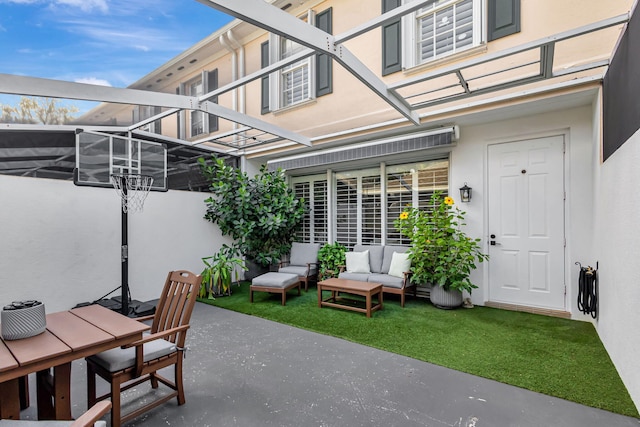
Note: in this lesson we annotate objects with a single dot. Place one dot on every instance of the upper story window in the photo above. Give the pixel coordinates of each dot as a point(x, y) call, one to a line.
point(196, 118)
point(295, 79)
point(292, 84)
point(442, 28)
point(299, 82)
point(195, 123)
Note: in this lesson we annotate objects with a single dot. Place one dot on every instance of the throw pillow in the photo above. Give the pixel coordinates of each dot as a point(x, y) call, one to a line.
point(357, 262)
point(400, 263)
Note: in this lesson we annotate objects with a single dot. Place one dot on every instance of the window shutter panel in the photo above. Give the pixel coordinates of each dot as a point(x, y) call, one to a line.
point(391, 41)
point(212, 84)
point(264, 81)
point(324, 63)
point(503, 19)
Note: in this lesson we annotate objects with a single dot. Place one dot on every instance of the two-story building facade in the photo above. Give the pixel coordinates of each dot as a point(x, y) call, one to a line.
point(382, 103)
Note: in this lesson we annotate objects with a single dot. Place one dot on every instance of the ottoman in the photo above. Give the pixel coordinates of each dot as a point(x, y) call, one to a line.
point(275, 283)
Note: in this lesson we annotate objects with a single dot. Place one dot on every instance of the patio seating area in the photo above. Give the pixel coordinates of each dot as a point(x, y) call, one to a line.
point(264, 373)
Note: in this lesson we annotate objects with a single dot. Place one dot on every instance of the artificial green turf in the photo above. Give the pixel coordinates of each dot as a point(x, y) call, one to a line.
point(558, 357)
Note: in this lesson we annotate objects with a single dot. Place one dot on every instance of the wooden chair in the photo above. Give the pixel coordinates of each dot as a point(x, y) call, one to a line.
point(88, 419)
point(138, 362)
point(303, 262)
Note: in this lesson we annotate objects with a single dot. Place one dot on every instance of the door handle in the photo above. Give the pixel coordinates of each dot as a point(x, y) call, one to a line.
point(492, 242)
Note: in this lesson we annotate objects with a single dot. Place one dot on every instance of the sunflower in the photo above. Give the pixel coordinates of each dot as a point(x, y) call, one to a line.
point(448, 201)
point(404, 215)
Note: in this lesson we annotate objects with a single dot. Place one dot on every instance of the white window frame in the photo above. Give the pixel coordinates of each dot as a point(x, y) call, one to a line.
point(311, 180)
point(276, 87)
point(410, 32)
point(195, 113)
point(419, 196)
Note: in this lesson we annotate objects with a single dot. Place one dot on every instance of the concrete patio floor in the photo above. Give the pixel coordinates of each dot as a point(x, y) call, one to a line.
point(246, 371)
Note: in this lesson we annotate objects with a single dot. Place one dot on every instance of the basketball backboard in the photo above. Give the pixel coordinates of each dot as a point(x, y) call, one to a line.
point(99, 155)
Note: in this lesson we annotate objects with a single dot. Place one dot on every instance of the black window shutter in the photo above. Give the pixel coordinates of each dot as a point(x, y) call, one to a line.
point(178, 114)
point(391, 41)
point(264, 82)
point(503, 19)
point(212, 84)
point(324, 63)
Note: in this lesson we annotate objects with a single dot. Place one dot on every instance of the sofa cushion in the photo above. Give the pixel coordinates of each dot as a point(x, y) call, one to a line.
point(303, 253)
point(388, 254)
point(400, 264)
point(361, 277)
point(375, 256)
point(298, 270)
point(358, 262)
point(386, 280)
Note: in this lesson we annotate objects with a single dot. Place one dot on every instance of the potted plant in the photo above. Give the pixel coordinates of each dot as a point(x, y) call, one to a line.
point(331, 257)
point(262, 214)
point(441, 253)
point(218, 271)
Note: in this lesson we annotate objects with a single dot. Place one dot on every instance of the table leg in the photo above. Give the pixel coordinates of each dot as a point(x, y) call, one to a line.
point(24, 391)
point(54, 400)
point(9, 399)
point(368, 304)
point(319, 286)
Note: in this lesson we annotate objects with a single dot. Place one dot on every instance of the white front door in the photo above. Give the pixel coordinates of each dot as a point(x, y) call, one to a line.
point(526, 223)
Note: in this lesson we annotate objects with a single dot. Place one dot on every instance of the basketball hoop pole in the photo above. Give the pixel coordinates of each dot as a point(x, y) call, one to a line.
point(124, 255)
point(133, 190)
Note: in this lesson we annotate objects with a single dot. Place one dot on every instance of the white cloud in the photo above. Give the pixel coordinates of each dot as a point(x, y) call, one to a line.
point(142, 48)
point(86, 5)
point(93, 81)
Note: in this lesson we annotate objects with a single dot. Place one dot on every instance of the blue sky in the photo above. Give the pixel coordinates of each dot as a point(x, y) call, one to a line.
point(109, 42)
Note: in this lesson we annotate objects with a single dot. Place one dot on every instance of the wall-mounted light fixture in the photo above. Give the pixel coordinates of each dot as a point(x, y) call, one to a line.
point(465, 193)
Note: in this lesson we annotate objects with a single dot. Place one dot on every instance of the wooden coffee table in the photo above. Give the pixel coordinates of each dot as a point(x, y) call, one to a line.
point(353, 287)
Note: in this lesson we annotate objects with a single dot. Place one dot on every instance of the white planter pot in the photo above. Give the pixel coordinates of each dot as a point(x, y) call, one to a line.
point(446, 299)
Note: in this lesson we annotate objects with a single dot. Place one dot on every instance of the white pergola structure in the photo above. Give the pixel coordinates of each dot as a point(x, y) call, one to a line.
point(412, 98)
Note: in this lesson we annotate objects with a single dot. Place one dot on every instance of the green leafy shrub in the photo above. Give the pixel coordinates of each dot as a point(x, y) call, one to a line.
point(331, 257)
point(262, 214)
point(441, 253)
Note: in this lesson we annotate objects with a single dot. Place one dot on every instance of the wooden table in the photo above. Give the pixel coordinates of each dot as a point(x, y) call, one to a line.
point(353, 287)
point(70, 335)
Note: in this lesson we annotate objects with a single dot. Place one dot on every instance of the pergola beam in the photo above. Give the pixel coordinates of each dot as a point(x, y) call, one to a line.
point(381, 20)
point(274, 20)
point(596, 26)
point(33, 86)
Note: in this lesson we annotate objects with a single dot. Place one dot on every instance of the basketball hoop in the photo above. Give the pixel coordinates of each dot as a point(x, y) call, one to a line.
point(132, 189)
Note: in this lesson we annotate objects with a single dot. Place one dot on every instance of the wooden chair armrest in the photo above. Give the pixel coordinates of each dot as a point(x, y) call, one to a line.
point(93, 414)
point(151, 337)
point(156, 336)
point(407, 278)
point(145, 318)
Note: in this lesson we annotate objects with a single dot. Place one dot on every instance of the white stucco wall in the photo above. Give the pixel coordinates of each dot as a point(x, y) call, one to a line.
point(469, 164)
point(60, 243)
point(618, 235)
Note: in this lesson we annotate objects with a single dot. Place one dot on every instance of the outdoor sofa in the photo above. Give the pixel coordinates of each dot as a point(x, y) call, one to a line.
point(382, 268)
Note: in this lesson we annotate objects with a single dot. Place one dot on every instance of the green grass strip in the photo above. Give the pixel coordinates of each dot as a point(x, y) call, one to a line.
point(557, 357)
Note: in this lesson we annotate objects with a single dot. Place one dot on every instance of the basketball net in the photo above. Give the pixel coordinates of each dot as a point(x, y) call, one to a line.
point(133, 189)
